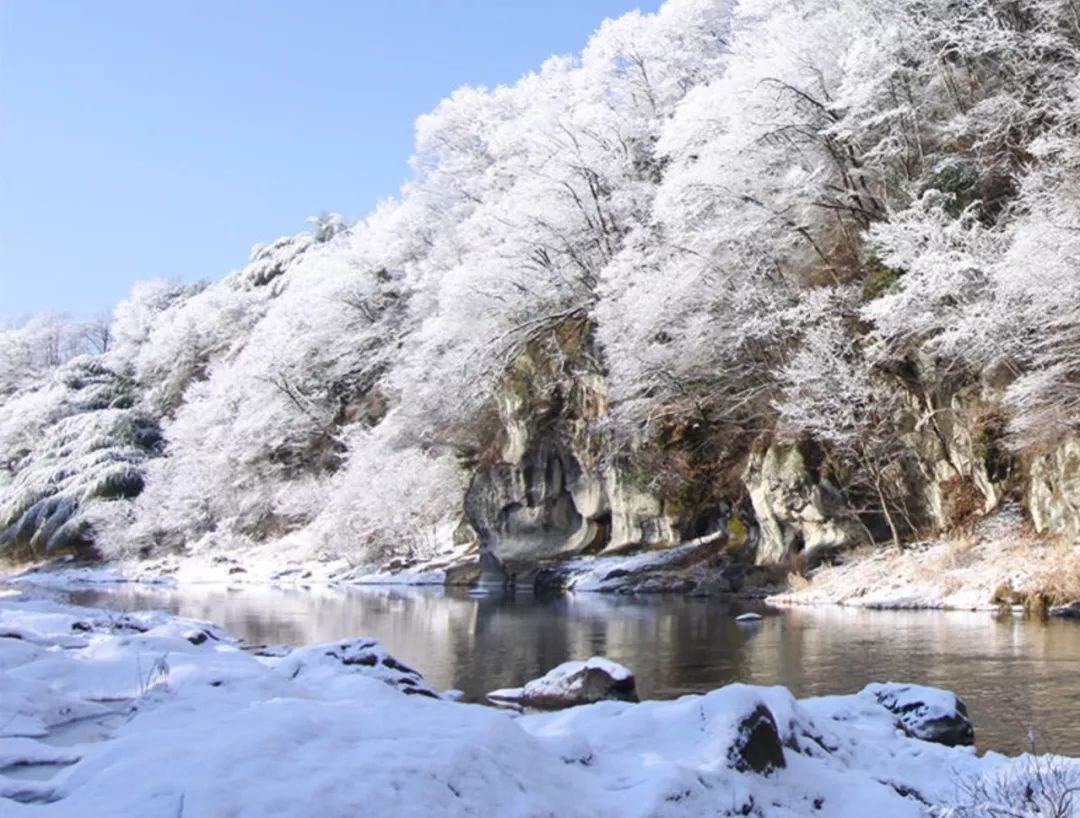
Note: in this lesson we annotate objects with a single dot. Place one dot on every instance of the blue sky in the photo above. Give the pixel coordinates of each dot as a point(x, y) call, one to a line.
point(141, 139)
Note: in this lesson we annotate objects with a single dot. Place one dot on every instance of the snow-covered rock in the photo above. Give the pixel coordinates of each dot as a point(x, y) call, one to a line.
point(139, 622)
point(749, 616)
point(1068, 611)
point(926, 712)
point(333, 667)
point(72, 442)
point(212, 729)
point(757, 745)
point(698, 568)
point(572, 683)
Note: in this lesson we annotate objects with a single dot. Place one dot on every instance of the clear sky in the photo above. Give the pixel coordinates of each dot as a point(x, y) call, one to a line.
point(146, 138)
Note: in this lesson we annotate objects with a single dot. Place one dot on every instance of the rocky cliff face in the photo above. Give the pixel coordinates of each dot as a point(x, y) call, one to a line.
point(551, 484)
point(1053, 490)
point(544, 490)
point(799, 512)
point(960, 466)
point(551, 488)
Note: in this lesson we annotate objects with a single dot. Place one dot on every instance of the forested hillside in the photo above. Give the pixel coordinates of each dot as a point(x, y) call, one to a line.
point(794, 275)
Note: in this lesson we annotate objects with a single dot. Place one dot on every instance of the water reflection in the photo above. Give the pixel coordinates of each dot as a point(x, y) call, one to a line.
point(1013, 673)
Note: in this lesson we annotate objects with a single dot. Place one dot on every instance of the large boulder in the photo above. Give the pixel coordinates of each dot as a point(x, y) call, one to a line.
point(926, 713)
point(571, 684)
point(798, 511)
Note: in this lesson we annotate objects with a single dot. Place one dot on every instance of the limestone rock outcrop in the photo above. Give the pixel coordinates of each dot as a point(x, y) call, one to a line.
point(1053, 494)
point(799, 512)
point(543, 490)
point(961, 466)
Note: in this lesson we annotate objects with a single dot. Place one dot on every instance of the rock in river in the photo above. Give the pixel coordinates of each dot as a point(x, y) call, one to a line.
point(749, 617)
point(572, 683)
point(1069, 611)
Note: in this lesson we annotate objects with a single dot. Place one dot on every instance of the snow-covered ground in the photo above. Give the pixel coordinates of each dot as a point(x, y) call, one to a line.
point(1000, 560)
point(105, 714)
point(962, 573)
point(611, 573)
point(288, 563)
point(688, 568)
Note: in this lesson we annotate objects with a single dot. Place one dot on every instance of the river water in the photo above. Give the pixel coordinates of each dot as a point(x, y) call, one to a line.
point(1013, 673)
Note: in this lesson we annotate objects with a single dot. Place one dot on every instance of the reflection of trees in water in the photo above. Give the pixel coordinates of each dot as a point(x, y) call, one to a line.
point(413, 624)
point(1013, 673)
point(673, 645)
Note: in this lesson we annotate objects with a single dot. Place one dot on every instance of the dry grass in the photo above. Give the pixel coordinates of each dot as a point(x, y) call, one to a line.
point(1057, 581)
point(1000, 561)
point(950, 584)
point(797, 582)
point(1004, 594)
point(959, 551)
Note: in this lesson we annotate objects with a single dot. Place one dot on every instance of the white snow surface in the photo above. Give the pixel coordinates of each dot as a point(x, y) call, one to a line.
point(196, 724)
point(749, 617)
point(556, 677)
point(929, 702)
point(294, 562)
point(59, 576)
point(606, 573)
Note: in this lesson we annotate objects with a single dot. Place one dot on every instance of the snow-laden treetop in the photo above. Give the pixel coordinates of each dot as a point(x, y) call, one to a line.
point(760, 209)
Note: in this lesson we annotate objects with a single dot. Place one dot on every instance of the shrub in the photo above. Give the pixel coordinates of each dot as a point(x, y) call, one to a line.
point(963, 501)
point(1032, 786)
point(880, 278)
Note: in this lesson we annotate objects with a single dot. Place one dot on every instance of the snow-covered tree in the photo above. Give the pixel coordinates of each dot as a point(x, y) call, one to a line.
point(756, 210)
point(831, 393)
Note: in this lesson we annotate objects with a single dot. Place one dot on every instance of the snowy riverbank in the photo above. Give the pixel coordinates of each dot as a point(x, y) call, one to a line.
point(999, 562)
point(146, 715)
point(694, 568)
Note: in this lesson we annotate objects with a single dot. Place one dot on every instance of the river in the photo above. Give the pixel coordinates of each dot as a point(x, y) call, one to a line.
point(1014, 673)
